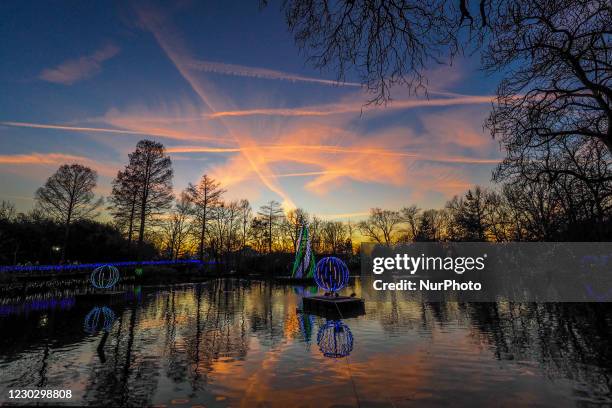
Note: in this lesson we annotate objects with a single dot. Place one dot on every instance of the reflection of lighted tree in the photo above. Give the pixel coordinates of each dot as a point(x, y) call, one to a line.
point(306, 323)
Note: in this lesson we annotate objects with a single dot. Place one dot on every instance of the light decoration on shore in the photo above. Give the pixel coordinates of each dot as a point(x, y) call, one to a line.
point(104, 277)
point(331, 274)
point(71, 267)
point(99, 318)
point(335, 339)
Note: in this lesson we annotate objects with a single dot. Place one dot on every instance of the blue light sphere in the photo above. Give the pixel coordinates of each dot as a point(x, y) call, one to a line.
point(331, 274)
point(335, 339)
point(99, 318)
point(104, 277)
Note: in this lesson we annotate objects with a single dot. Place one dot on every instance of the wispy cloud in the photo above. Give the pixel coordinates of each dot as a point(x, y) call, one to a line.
point(170, 43)
point(74, 70)
point(57, 159)
point(38, 158)
point(262, 73)
point(140, 129)
point(292, 150)
point(358, 107)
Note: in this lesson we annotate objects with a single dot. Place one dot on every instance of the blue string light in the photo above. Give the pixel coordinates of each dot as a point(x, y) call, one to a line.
point(335, 339)
point(59, 268)
point(99, 318)
point(38, 305)
point(331, 274)
point(104, 277)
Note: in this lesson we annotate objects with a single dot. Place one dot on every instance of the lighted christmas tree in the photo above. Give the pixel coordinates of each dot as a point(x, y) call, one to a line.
point(304, 264)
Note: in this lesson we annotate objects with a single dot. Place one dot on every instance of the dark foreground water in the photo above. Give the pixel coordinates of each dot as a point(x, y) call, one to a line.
point(239, 343)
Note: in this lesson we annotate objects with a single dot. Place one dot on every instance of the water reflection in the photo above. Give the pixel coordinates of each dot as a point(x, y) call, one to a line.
point(237, 342)
point(306, 322)
point(99, 318)
point(335, 339)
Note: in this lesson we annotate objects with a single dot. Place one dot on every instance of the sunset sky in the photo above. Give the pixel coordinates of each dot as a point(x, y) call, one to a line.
point(223, 86)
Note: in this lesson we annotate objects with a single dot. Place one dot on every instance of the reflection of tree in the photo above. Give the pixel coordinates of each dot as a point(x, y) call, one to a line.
point(131, 379)
point(567, 340)
point(213, 330)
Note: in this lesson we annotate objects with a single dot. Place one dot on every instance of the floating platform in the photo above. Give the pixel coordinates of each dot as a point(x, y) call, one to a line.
point(294, 281)
point(334, 307)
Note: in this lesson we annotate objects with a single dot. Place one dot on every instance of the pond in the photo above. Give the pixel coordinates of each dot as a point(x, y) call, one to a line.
point(246, 343)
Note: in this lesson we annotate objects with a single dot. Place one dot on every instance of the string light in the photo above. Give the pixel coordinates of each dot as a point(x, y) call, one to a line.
point(53, 268)
point(104, 277)
point(335, 339)
point(304, 264)
point(99, 318)
point(331, 274)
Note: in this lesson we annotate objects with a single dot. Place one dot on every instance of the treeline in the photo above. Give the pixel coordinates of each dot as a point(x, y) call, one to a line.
point(557, 190)
point(565, 199)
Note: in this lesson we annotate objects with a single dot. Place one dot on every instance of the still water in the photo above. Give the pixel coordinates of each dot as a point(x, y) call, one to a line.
point(246, 343)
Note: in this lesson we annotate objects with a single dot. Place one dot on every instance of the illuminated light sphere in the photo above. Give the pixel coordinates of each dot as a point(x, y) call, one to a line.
point(104, 277)
point(335, 339)
point(99, 318)
point(331, 274)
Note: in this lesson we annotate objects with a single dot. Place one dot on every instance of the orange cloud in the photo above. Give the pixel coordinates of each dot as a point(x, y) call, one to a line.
point(169, 41)
point(57, 159)
point(358, 107)
point(75, 70)
point(265, 148)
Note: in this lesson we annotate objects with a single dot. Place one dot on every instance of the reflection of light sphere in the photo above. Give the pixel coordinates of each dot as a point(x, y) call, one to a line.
point(335, 339)
point(104, 277)
point(99, 318)
point(331, 274)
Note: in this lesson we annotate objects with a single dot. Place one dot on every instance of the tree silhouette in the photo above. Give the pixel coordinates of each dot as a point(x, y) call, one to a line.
point(124, 200)
point(68, 196)
point(150, 170)
point(204, 196)
point(380, 226)
point(559, 75)
point(270, 213)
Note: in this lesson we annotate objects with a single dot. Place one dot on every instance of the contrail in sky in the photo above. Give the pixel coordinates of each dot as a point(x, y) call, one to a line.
point(263, 73)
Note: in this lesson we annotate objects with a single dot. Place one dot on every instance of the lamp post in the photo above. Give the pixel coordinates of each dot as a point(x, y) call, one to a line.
point(55, 250)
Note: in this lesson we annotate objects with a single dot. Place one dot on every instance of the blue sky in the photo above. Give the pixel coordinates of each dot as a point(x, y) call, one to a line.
point(226, 90)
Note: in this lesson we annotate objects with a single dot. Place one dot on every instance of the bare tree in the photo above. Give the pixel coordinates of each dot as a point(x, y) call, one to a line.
point(271, 213)
point(7, 211)
point(558, 84)
point(315, 228)
point(177, 227)
point(68, 196)
point(387, 42)
point(335, 235)
point(205, 195)
point(245, 214)
point(258, 232)
point(380, 226)
point(469, 216)
point(410, 216)
point(220, 227)
point(151, 171)
point(233, 225)
point(293, 223)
